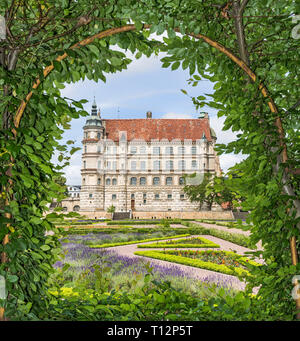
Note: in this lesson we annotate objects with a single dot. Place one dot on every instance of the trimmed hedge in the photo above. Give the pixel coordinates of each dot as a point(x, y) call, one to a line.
point(145, 222)
point(169, 257)
point(135, 241)
point(205, 243)
point(133, 222)
point(229, 224)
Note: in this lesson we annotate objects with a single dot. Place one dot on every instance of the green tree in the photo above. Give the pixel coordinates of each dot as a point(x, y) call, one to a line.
point(226, 192)
point(111, 209)
point(199, 192)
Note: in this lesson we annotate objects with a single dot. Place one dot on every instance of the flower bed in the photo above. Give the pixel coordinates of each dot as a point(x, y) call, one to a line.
point(135, 241)
point(193, 242)
point(226, 262)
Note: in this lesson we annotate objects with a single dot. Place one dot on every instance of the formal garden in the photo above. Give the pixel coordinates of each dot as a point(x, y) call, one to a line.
point(192, 270)
point(104, 278)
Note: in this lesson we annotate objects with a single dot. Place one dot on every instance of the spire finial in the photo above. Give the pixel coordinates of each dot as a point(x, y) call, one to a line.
point(94, 108)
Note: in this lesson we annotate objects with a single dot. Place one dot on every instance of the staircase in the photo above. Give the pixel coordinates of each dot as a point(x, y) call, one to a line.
point(121, 216)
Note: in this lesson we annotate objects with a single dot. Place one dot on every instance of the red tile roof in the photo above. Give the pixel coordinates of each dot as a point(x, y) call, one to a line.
point(148, 129)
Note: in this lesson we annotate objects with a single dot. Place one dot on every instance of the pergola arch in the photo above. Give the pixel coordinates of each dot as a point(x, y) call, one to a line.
point(239, 62)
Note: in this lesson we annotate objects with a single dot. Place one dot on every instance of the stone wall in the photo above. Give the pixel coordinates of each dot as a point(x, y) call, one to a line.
point(225, 215)
point(70, 203)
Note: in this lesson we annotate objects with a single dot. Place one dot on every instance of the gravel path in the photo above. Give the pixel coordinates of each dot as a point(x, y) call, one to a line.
point(197, 273)
point(230, 230)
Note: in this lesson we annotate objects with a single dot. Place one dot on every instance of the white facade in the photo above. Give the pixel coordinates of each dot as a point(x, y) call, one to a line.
point(137, 174)
point(73, 191)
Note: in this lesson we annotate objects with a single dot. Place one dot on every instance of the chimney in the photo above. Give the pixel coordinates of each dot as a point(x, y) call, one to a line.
point(149, 114)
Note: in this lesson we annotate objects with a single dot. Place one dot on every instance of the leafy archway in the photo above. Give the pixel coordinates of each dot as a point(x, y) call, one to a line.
point(273, 161)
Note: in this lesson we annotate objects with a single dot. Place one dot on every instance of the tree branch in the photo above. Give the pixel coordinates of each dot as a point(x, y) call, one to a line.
point(293, 107)
point(240, 30)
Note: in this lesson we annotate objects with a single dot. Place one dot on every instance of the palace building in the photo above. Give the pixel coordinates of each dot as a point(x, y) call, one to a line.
point(138, 165)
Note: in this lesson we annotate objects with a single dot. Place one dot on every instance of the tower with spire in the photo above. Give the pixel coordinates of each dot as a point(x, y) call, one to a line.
point(91, 196)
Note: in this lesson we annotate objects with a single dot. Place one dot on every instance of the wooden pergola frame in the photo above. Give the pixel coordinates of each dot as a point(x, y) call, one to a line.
point(240, 63)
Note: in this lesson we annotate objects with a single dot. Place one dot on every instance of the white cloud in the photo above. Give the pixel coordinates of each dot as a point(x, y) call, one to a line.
point(72, 174)
point(229, 160)
point(223, 136)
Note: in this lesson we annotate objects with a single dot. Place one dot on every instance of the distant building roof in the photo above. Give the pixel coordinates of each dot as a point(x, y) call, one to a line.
point(150, 129)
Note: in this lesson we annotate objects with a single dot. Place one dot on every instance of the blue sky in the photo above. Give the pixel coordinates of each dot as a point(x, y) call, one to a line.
point(144, 86)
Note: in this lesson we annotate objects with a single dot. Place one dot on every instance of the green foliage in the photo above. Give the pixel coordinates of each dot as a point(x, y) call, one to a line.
point(111, 209)
point(151, 301)
point(199, 192)
point(28, 175)
point(133, 222)
point(165, 223)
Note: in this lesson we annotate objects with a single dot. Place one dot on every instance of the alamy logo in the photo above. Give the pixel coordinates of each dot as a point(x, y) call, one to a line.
point(296, 289)
point(2, 28)
point(296, 29)
point(2, 288)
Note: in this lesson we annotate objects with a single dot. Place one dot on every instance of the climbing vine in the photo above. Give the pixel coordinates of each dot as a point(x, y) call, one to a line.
point(252, 58)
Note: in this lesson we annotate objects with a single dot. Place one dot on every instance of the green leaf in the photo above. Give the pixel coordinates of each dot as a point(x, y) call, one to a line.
point(175, 65)
point(116, 61)
point(45, 247)
point(94, 49)
point(12, 278)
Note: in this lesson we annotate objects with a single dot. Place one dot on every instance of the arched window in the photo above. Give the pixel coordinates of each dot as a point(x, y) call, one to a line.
point(114, 182)
point(76, 208)
point(169, 180)
point(99, 181)
point(84, 164)
point(143, 181)
point(156, 181)
point(83, 181)
point(181, 180)
point(133, 181)
point(107, 182)
point(65, 209)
